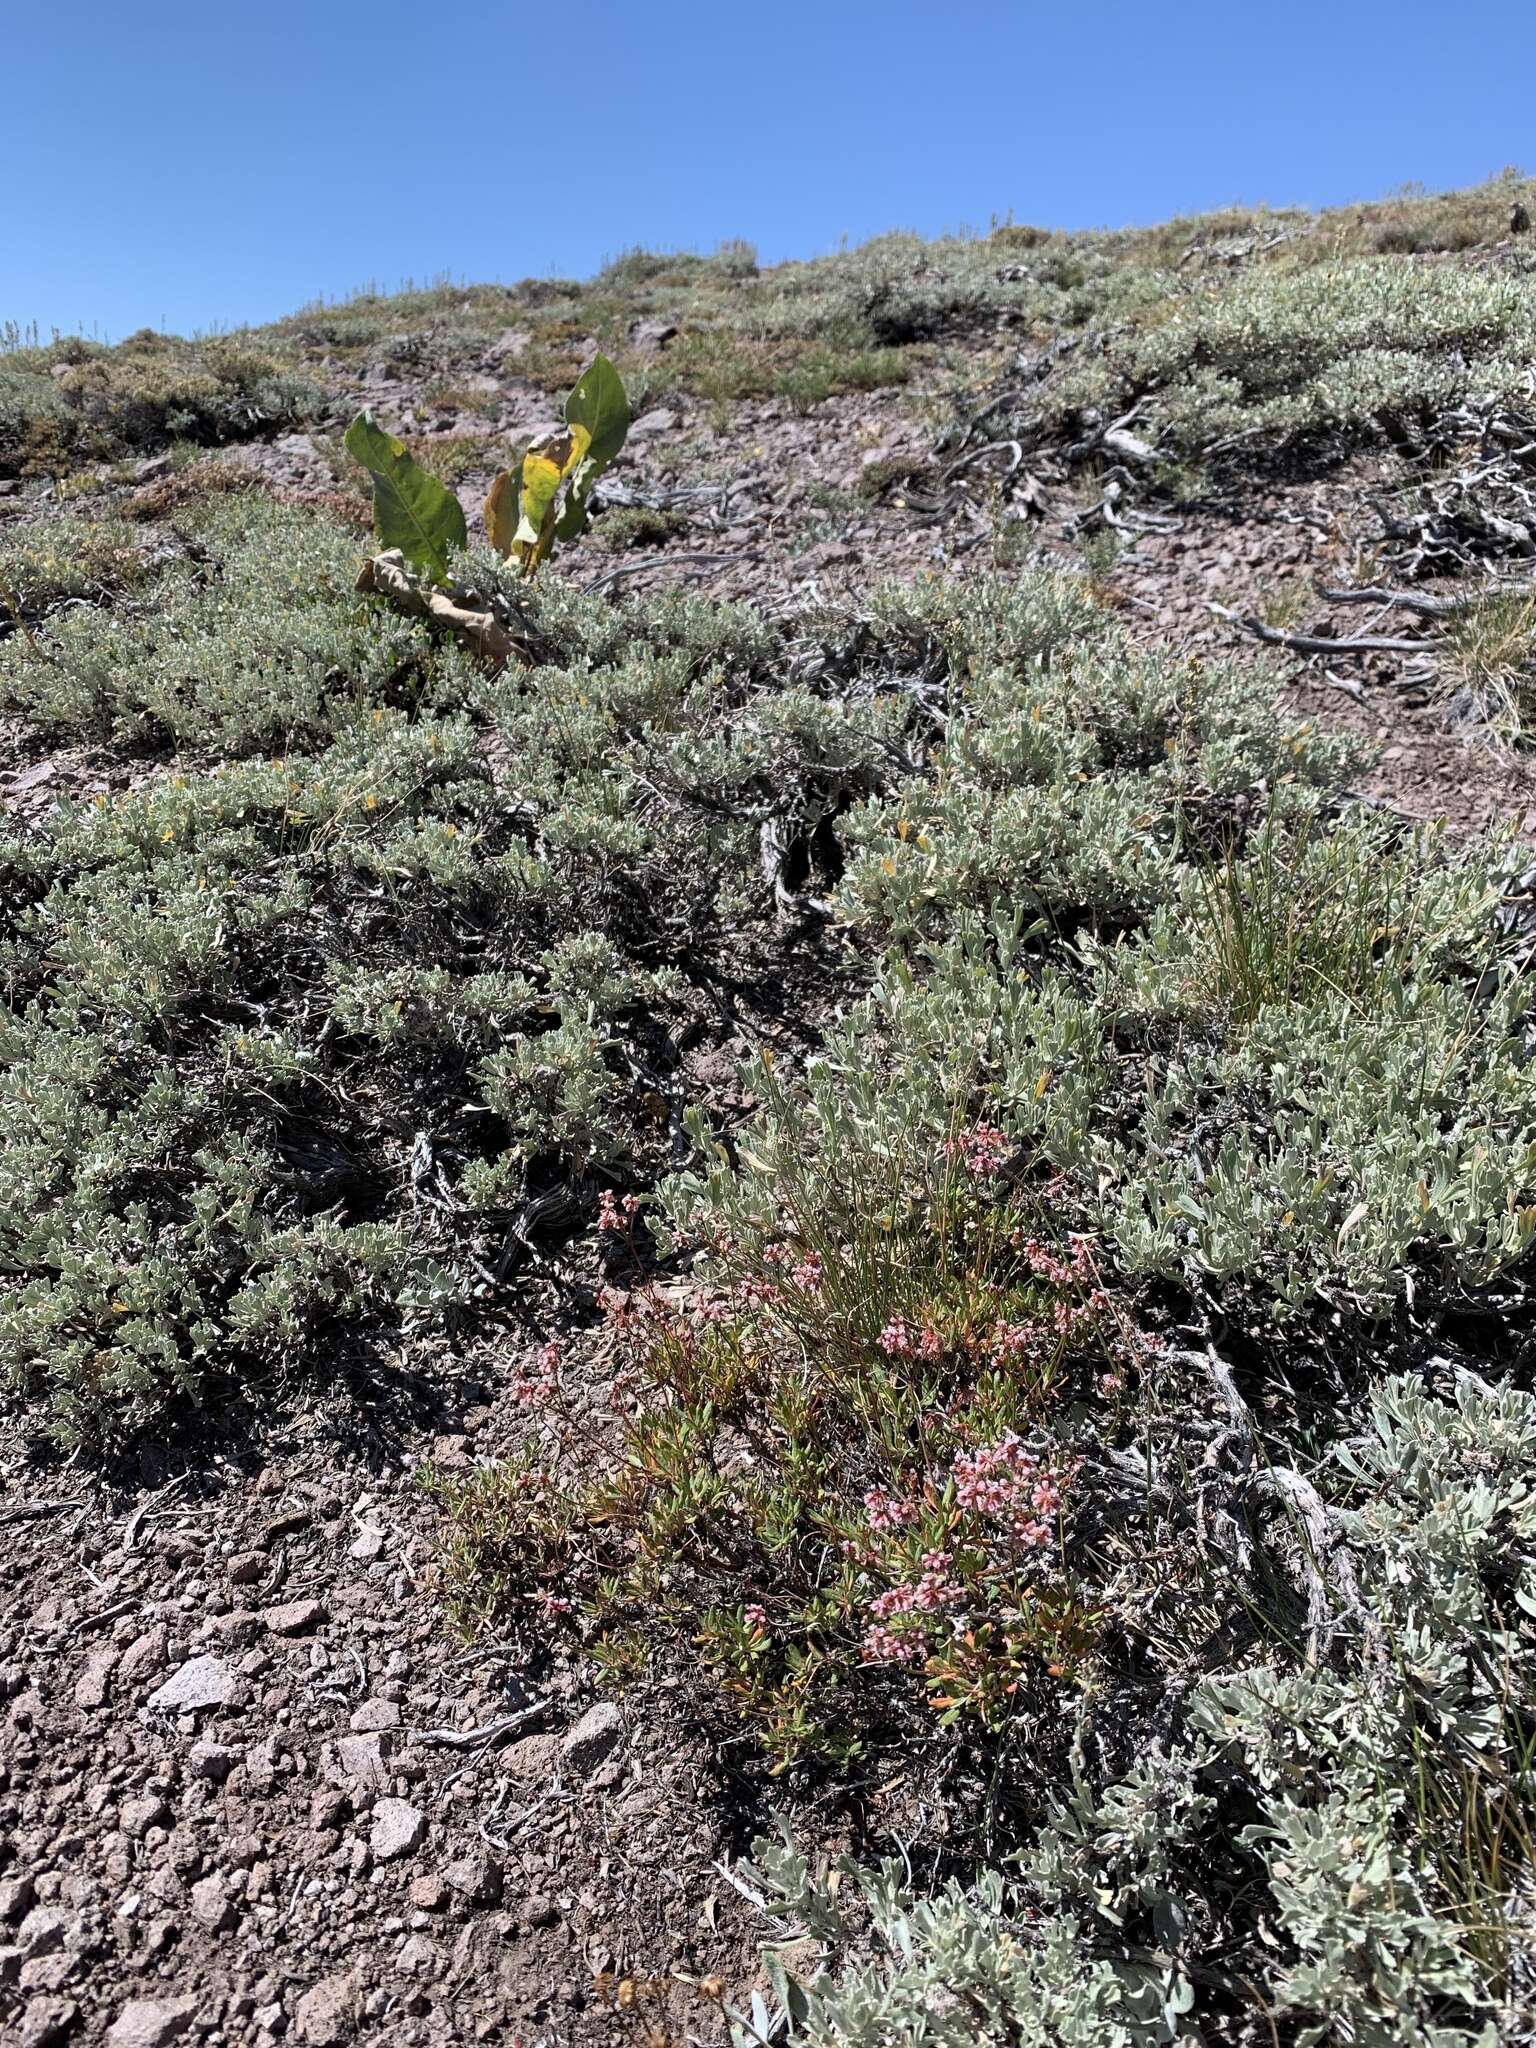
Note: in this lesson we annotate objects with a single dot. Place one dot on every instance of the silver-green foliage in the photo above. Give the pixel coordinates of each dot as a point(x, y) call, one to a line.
point(288, 1036)
point(1341, 1849)
point(1299, 1068)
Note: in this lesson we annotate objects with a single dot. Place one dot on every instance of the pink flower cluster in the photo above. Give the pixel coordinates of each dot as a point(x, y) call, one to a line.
point(982, 1150)
point(1005, 1482)
point(900, 1340)
point(933, 1592)
point(538, 1387)
point(805, 1272)
point(887, 1511)
point(614, 1215)
point(1034, 1338)
point(755, 1289)
point(1047, 1264)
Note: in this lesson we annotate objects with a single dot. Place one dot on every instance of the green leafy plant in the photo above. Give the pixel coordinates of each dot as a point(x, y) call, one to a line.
point(557, 475)
point(412, 511)
point(549, 502)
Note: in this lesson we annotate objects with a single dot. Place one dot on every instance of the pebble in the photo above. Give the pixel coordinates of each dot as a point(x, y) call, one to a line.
point(327, 2013)
point(94, 1686)
point(46, 2021)
point(295, 1617)
point(364, 1759)
point(599, 1728)
point(201, 1682)
point(374, 1715)
point(138, 1816)
point(150, 2022)
point(212, 1760)
point(398, 1830)
point(17, 1896)
point(212, 1907)
point(145, 1653)
point(42, 1932)
point(540, 1912)
point(416, 1956)
point(477, 1877)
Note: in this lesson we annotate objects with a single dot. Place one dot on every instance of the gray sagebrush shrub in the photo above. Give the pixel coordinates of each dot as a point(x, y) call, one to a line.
point(1324, 1853)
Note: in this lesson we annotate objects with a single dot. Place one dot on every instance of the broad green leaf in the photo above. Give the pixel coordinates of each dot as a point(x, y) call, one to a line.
point(412, 511)
point(599, 404)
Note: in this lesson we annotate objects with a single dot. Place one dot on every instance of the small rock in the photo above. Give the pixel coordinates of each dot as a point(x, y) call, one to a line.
point(150, 2022)
point(327, 2013)
point(416, 1957)
point(295, 1617)
point(17, 1895)
point(398, 1830)
point(599, 1728)
point(138, 1816)
point(477, 1877)
point(201, 1682)
point(658, 421)
point(374, 1715)
point(93, 1687)
point(364, 1759)
point(329, 1808)
point(649, 337)
point(428, 1894)
point(368, 1543)
point(212, 1760)
point(144, 1653)
point(47, 1973)
point(46, 2021)
point(539, 1912)
point(212, 1907)
point(246, 1568)
point(235, 1630)
point(42, 1932)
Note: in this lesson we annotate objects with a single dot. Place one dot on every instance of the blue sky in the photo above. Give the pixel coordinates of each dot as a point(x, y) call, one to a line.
point(190, 166)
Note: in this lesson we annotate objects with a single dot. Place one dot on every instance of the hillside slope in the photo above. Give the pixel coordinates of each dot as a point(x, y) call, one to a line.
point(885, 1186)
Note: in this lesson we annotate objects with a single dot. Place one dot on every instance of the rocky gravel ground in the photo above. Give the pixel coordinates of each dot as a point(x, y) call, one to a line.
point(252, 1790)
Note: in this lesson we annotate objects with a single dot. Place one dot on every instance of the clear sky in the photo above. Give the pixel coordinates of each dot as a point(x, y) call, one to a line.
point(198, 163)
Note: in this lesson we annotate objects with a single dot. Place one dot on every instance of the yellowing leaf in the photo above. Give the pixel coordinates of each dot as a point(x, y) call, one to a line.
point(501, 512)
point(545, 468)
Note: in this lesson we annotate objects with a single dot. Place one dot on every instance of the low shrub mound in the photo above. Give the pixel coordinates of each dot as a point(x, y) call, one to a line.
point(293, 1030)
point(77, 402)
point(1316, 1851)
point(1166, 1045)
